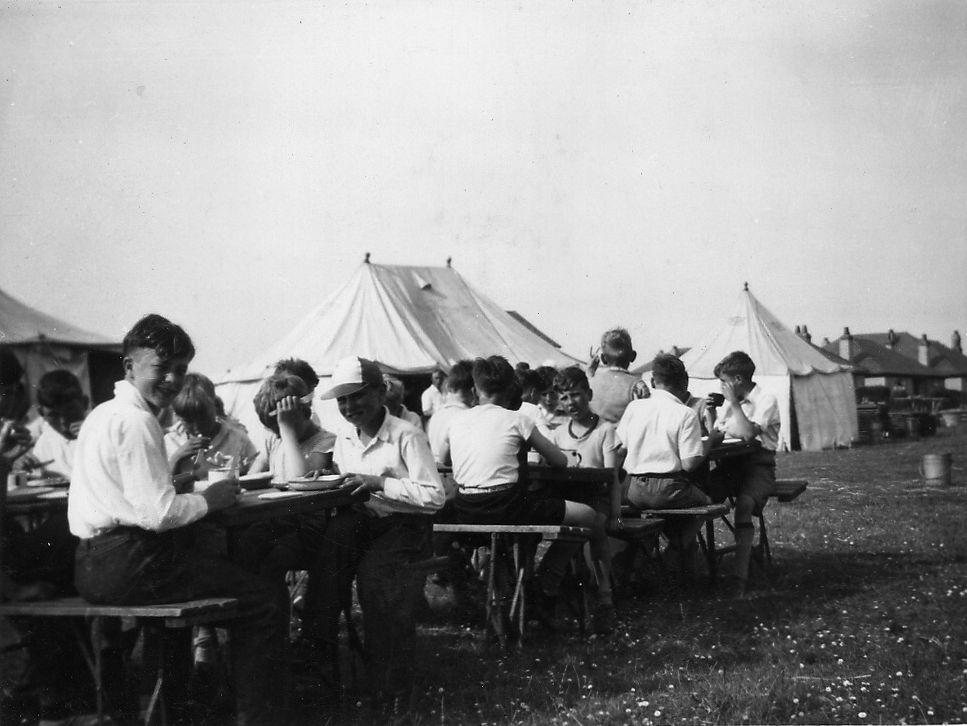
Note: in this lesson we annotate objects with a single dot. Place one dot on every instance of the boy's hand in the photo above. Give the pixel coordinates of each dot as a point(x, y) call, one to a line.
point(728, 390)
point(191, 447)
point(364, 483)
point(716, 437)
point(221, 494)
point(18, 440)
point(289, 411)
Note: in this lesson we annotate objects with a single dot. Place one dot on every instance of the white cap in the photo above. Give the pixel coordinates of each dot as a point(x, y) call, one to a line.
point(352, 375)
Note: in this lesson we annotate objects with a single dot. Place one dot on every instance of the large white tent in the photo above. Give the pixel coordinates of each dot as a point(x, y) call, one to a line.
point(408, 319)
point(817, 402)
point(44, 343)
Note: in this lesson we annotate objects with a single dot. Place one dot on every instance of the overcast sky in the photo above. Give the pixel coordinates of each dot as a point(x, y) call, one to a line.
point(588, 164)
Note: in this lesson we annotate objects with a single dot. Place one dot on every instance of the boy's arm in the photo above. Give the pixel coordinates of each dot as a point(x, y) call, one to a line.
point(613, 455)
point(289, 412)
point(552, 455)
point(421, 487)
point(738, 423)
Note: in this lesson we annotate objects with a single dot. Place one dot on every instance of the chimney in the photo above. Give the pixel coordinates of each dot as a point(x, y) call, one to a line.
point(923, 351)
point(807, 336)
point(825, 342)
point(676, 351)
point(891, 339)
point(798, 331)
point(846, 345)
point(955, 342)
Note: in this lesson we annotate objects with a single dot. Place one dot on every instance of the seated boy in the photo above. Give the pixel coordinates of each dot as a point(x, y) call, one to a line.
point(751, 414)
point(663, 441)
point(613, 386)
point(374, 541)
point(487, 444)
point(395, 392)
point(125, 510)
point(590, 442)
point(63, 406)
point(458, 398)
point(432, 398)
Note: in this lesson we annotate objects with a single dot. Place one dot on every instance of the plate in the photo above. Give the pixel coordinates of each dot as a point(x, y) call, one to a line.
point(256, 481)
point(328, 481)
point(51, 481)
point(56, 494)
point(25, 492)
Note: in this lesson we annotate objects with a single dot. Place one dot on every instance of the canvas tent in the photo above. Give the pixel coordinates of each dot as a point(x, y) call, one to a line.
point(43, 343)
point(408, 319)
point(817, 403)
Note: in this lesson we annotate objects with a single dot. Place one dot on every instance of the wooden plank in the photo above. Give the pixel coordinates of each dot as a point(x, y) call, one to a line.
point(786, 490)
point(250, 508)
point(78, 607)
point(709, 511)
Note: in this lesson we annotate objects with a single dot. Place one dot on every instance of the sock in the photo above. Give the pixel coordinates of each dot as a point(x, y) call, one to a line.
point(744, 537)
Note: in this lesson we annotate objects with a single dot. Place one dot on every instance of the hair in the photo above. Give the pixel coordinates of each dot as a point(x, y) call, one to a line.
point(299, 367)
point(196, 399)
point(531, 379)
point(616, 348)
point(10, 369)
point(159, 334)
point(736, 363)
point(571, 378)
point(669, 371)
point(522, 366)
point(274, 389)
point(460, 377)
point(493, 376)
point(57, 388)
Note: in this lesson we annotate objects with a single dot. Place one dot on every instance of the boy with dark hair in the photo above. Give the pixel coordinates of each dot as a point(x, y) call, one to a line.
point(459, 397)
point(590, 442)
point(487, 445)
point(613, 385)
point(663, 441)
point(432, 397)
point(62, 404)
point(126, 511)
point(751, 414)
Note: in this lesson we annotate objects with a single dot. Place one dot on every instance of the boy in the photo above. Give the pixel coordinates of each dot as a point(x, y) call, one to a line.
point(750, 414)
point(590, 442)
point(663, 441)
point(374, 542)
point(487, 444)
point(394, 401)
point(459, 397)
point(125, 510)
point(613, 386)
point(432, 397)
point(63, 406)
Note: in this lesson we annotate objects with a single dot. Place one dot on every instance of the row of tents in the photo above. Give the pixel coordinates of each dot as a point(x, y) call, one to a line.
point(414, 319)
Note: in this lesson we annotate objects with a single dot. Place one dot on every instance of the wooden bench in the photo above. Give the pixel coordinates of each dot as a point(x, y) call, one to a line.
point(153, 617)
point(707, 514)
point(509, 551)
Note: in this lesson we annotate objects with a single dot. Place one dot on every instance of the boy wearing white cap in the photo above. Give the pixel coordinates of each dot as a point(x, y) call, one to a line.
point(374, 542)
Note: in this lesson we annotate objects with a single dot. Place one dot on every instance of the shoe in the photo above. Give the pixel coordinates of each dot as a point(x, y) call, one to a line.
point(544, 609)
point(604, 620)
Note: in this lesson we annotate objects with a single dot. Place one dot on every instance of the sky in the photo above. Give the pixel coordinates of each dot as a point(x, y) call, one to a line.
point(589, 164)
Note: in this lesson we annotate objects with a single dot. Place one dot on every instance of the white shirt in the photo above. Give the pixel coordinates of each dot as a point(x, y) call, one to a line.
point(120, 475)
point(658, 433)
point(273, 456)
point(58, 450)
point(431, 400)
point(438, 428)
point(400, 452)
point(762, 409)
point(484, 444)
point(588, 449)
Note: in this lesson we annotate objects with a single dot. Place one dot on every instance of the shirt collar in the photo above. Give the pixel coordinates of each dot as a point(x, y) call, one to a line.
point(126, 393)
point(670, 396)
point(383, 434)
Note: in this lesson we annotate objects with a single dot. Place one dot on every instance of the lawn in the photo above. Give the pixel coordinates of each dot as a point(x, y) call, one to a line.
point(861, 621)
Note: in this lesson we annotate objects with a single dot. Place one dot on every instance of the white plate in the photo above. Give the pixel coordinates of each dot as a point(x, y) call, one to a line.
point(24, 492)
point(327, 481)
point(51, 481)
point(278, 495)
point(58, 494)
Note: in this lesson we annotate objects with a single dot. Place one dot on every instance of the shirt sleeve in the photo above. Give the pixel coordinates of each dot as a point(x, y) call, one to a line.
point(767, 416)
point(690, 437)
point(609, 439)
point(146, 482)
point(526, 425)
point(422, 487)
point(621, 430)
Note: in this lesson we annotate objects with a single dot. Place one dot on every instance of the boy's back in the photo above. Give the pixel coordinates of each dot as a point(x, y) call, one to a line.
point(658, 432)
point(614, 388)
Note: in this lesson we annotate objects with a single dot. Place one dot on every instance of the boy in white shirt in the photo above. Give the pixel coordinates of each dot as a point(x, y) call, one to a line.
point(125, 510)
point(373, 542)
point(63, 406)
point(751, 414)
point(459, 397)
point(663, 441)
point(432, 397)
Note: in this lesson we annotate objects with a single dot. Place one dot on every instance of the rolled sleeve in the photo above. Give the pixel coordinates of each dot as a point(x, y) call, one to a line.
point(422, 487)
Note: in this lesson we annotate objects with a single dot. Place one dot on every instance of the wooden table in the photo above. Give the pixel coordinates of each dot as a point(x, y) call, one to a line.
point(250, 509)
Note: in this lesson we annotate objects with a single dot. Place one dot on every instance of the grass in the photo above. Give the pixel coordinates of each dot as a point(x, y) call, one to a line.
point(862, 620)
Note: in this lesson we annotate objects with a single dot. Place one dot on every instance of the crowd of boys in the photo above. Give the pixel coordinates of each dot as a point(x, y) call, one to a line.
point(137, 528)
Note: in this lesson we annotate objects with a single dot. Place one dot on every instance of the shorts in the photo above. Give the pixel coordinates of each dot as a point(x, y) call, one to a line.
point(672, 492)
point(510, 506)
point(752, 476)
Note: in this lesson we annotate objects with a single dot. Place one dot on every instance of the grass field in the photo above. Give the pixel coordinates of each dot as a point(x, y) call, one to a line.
point(861, 621)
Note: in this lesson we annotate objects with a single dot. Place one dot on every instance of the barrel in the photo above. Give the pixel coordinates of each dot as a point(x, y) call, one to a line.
point(935, 469)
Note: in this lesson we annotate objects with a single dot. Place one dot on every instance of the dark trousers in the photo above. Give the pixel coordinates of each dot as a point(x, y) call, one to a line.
point(376, 551)
point(131, 566)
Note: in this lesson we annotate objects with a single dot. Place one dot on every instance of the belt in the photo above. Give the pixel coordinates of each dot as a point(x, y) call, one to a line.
point(654, 475)
point(477, 491)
